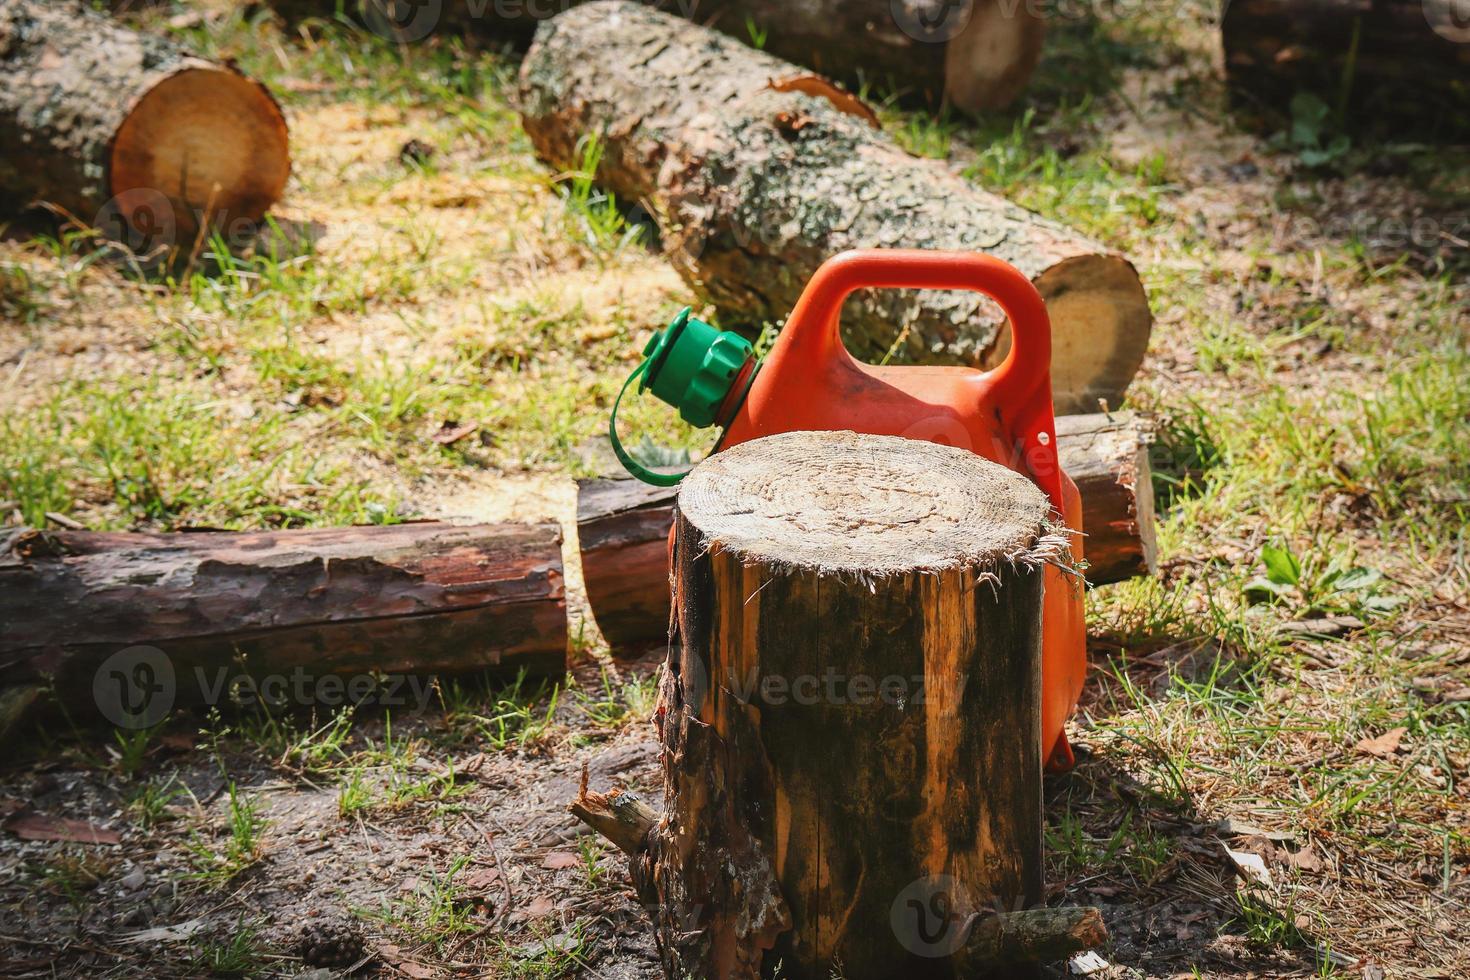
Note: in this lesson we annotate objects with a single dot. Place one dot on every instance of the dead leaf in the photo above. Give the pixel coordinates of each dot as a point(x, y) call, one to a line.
point(1250, 866)
point(558, 860)
point(38, 826)
point(540, 907)
point(451, 432)
point(396, 958)
point(820, 87)
point(1305, 859)
point(481, 879)
point(1384, 745)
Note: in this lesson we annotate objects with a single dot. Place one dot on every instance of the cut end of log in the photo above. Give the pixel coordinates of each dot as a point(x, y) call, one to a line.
point(1100, 326)
point(867, 505)
point(987, 65)
point(208, 139)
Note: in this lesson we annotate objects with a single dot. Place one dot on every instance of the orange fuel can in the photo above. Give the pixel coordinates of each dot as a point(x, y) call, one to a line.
point(809, 381)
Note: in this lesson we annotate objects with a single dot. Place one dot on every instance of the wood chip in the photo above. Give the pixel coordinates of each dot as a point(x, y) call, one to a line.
point(64, 521)
point(451, 432)
point(37, 826)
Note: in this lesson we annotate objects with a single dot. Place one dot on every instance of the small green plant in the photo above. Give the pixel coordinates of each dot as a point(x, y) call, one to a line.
point(598, 221)
point(354, 796)
point(130, 749)
point(758, 35)
point(239, 955)
point(435, 911)
point(590, 850)
point(241, 848)
point(515, 720)
point(1312, 137)
point(615, 705)
point(149, 802)
point(1335, 587)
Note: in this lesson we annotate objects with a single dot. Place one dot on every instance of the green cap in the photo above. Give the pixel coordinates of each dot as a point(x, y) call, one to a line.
point(692, 366)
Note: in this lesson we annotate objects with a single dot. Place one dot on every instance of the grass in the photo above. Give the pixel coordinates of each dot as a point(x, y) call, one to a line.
point(217, 864)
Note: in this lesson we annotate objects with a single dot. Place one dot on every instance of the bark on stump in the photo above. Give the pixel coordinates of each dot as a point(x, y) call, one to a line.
point(754, 188)
point(850, 715)
point(623, 527)
point(129, 132)
point(1398, 65)
point(412, 598)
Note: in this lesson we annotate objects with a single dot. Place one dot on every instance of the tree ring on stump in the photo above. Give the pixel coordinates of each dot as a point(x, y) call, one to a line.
point(868, 506)
point(211, 141)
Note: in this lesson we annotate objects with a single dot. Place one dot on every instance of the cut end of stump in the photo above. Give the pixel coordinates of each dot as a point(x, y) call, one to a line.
point(208, 140)
point(866, 505)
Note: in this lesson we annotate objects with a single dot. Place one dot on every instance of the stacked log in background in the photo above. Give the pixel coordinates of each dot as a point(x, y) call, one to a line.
point(1393, 65)
point(754, 188)
point(974, 54)
point(129, 131)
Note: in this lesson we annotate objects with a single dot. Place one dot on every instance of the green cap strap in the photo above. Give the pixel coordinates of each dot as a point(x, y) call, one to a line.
point(632, 465)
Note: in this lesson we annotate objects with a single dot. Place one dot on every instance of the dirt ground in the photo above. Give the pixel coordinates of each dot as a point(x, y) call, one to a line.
point(1273, 779)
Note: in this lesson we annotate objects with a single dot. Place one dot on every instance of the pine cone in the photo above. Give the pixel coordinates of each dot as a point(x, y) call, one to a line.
point(330, 941)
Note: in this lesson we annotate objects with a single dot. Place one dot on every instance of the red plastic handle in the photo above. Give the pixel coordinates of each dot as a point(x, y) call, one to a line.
point(1028, 365)
point(1022, 382)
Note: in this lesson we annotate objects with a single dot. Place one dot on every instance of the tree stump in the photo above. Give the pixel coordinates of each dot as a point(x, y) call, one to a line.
point(851, 712)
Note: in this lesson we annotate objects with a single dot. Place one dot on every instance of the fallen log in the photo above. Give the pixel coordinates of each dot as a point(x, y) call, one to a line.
point(195, 611)
point(850, 714)
point(623, 527)
point(129, 132)
point(754, 188)
point(1394, 64)
point(973, 54)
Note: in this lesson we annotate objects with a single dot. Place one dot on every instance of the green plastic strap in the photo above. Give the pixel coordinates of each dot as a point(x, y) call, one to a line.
point(641, 472)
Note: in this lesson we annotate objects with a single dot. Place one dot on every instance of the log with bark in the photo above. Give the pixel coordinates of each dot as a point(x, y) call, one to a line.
point(972, 54)
point(407, 599)
point(1391, 64)
point(755, 187)
point(850, 718)
point(623, 527)
point(128, 131)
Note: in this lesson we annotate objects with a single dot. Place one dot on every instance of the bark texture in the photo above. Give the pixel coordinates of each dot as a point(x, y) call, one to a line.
point(92, 113)
point(850, 714)
point(754, 188)
point(975, 54)
point(623, 527)
point(421, 598)
point(1400, 64)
